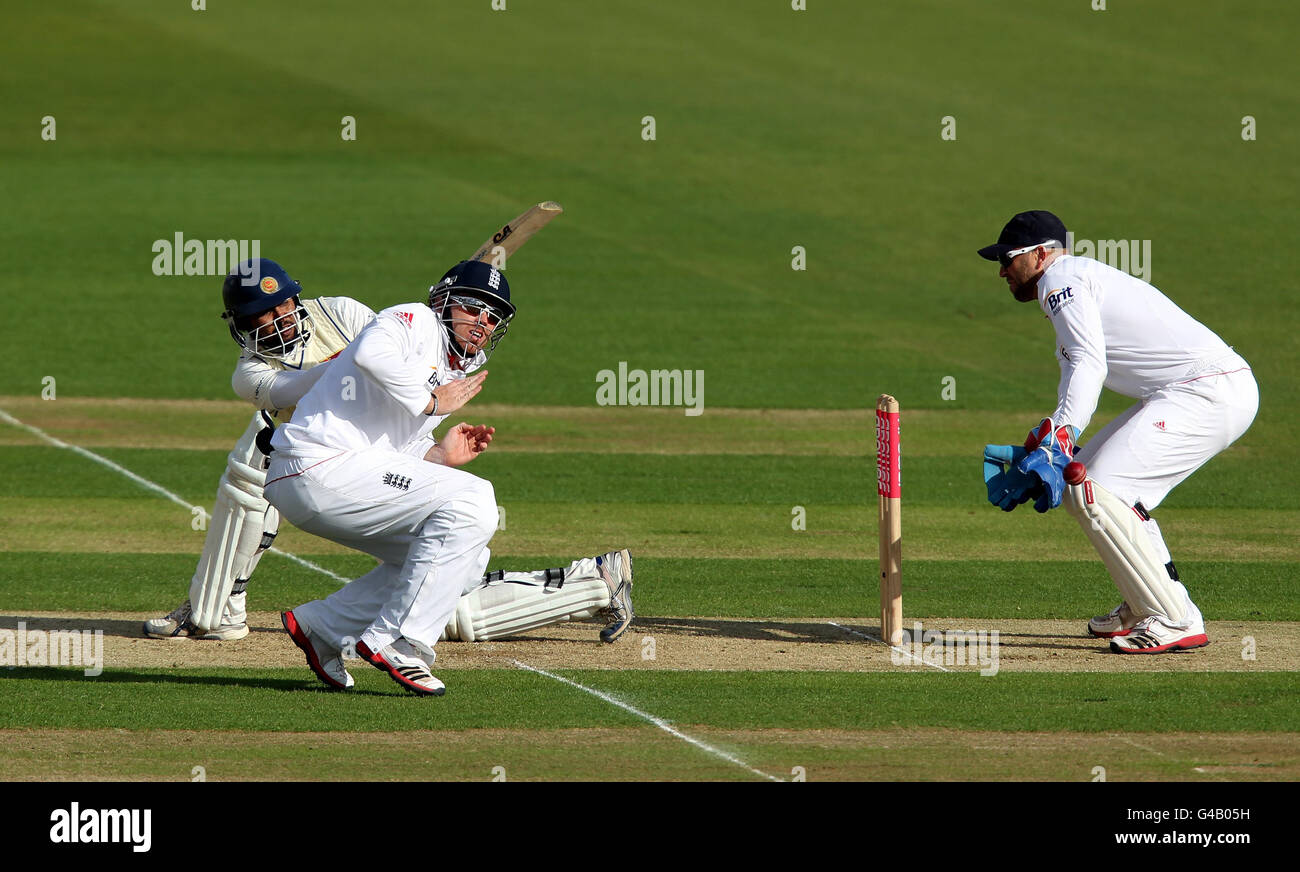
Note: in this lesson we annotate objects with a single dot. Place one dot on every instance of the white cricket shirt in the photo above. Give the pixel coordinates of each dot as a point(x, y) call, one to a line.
point(375, 392)
point(1117, 331)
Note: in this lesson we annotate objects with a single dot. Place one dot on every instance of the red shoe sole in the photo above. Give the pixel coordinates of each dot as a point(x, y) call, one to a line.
point(1093, 632)
point(300, 639)
point(1186, 643)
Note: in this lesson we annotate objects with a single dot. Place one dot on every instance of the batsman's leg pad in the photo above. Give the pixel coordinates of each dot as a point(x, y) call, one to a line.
point(1119, 534)
point(508, 603)
point(243, 525)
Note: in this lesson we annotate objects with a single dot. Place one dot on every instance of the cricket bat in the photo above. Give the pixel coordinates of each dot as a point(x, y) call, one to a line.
point(517, 232)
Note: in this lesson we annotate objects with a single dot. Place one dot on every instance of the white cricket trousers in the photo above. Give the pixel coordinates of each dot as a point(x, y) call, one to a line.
point(1153, 446)
point(429, 525)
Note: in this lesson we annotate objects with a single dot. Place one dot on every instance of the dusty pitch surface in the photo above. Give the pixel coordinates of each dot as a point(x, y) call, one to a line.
point(725, 644)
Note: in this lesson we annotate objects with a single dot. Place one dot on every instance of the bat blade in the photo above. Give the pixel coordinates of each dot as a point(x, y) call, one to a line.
point(514, 234)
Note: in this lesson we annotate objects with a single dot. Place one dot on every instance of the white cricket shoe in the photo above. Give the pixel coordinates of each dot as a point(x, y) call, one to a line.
point(616, 571)
point(178, 624)
point(1154, 636)
point(1120, 622)
point(324, 660)
point(405, 665)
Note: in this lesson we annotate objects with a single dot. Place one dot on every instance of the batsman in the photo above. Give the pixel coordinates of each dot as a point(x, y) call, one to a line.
point(1195, 397)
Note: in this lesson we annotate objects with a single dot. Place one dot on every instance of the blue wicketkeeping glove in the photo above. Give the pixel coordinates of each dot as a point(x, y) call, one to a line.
point(1008, 486)
point(1049, 449)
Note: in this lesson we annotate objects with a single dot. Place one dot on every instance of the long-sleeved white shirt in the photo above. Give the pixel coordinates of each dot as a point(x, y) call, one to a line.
point(375, 392)
point(1117, 331)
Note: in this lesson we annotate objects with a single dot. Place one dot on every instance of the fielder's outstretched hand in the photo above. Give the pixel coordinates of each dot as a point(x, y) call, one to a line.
point(465, 442)
point(455, 394)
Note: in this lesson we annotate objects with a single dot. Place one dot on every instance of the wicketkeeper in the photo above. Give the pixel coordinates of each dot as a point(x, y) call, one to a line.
point(1195, 394)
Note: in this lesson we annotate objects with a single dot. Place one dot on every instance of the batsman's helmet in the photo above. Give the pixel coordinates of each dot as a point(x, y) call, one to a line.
point(257, 286)
point(474, 287)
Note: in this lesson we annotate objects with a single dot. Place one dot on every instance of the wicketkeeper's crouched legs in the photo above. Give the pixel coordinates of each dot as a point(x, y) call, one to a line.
point(1129, 544)
point(1135, 461)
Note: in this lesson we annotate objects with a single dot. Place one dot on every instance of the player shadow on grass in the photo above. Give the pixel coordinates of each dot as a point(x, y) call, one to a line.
point(826, 632)
point(160, 675)
point(769, 631)
point(1006, 639)
point(109, 626)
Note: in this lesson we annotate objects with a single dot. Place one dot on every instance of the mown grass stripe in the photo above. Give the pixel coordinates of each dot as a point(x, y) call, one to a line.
point(649, 718)
point(293, 700)
point(151, 486)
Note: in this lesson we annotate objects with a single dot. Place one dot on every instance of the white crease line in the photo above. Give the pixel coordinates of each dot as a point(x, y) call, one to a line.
point(1139, 747)
point(658, 722)
point(902, 651)
point(1216, 775)
point(149, 485)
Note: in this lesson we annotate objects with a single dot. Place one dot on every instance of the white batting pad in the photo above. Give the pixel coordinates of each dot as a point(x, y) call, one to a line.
point(1117, 532)
point(523, 602)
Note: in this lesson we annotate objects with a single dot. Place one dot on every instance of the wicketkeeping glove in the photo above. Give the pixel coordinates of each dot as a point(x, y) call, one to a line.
point(1008, 486)
point(1049, 449)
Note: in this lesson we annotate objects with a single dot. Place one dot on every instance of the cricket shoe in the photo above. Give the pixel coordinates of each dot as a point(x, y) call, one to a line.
point(404, 666)
point(1120, 622)
point(325, 661)
point(1153, 636)
point(616, 570)
point(178, 624)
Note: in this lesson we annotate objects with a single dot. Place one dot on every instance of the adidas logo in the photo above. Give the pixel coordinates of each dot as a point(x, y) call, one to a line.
point(1160, 425)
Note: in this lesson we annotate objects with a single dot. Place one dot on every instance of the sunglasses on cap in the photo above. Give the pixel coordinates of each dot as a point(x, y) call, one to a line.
point(1006, 258)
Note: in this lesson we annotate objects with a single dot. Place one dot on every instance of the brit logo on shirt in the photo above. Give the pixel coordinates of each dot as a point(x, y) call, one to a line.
point(401, 482)
point(1058, 298)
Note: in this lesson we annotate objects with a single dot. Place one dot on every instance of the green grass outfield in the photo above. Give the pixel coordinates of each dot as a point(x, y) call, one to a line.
point(775, 129)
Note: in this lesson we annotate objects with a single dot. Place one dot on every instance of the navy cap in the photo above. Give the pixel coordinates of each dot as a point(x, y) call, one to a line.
point(256, 286)
point(1024, 230)
point(473, 278)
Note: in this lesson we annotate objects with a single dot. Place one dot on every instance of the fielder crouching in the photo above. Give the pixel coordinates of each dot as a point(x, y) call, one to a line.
point(1195, 394)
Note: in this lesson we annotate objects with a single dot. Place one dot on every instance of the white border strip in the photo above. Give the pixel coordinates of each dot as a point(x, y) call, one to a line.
point(902, 651)
point(658, 722)
point(149, 485)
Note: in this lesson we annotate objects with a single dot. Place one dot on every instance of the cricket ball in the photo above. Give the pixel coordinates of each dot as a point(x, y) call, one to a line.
point(1075, 472)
